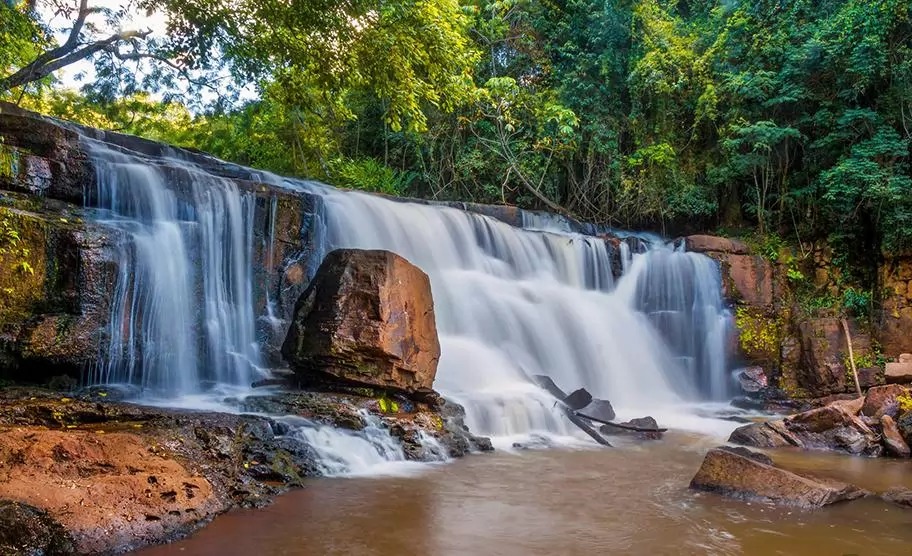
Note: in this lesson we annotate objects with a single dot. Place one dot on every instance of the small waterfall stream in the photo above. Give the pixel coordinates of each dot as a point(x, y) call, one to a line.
point(182, 308)
point(511, 302)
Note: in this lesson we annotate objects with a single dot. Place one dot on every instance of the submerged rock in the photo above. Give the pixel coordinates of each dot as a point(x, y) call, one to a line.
point(367, 318)
point(740, 473)
point(899, 496)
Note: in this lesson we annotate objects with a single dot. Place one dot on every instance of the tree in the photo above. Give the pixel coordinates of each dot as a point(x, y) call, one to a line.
point(83, 41)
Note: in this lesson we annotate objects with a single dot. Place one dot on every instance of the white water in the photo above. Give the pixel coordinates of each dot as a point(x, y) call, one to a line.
point(368, 452)
point(182, 308)
point(510, 303)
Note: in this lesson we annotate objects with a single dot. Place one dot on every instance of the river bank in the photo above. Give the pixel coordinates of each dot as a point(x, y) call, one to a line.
point(108, 476)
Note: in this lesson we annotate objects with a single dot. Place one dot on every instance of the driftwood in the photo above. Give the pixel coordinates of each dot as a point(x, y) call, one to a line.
point(620, 425)
point(548, 384)
point(584, 426)
point(553, 389)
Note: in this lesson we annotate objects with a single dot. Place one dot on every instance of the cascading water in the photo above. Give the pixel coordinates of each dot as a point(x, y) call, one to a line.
point(182, 309)
point(513, 303)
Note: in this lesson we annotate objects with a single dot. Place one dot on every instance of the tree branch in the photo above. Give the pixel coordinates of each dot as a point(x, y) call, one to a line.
point(49, 64)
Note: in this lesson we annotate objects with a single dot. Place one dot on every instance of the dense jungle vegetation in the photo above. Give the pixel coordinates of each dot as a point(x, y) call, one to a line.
point(790, 118)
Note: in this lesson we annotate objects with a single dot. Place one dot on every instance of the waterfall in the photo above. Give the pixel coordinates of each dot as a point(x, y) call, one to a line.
point(636, 322)
point(513, 303)
point(182, 308)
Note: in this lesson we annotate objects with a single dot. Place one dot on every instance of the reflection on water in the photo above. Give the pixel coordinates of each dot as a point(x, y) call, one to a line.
point(631, 500)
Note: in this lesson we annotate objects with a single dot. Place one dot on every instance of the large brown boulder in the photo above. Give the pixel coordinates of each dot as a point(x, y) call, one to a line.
point(740, 473)
point(749, 279)
point(367, 318)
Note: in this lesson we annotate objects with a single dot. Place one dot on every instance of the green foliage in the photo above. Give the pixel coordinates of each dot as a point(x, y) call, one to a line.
point(813, 304)
point(757, 334)
point(857, 302)
point(12, 247)
point(22, 38)
point(869, 360)
point(793, 118)
point(368, 174)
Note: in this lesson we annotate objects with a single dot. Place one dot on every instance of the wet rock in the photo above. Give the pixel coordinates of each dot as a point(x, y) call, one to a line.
point(458, 439)
point(881, 400)
point(645, 428)
point(748, 403)
point(367, 318)
point(752, 379)
point(30, 531)
point(819, 420)
point(47, 156)
point(578, 399)
point(645, 423)
point(758, 435)
point(600, 410)
point(833, 427)
point(893, 440)
point(108, 393)
point(327, 409)
point(898, 373)
point(898, 495)
point(734, 473)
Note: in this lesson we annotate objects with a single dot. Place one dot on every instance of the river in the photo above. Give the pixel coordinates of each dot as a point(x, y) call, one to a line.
point(629, 500)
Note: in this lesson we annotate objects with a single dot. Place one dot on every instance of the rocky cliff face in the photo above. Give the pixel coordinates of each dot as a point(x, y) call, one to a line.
point(803, 349)
point(59, 265)
point(895, 316)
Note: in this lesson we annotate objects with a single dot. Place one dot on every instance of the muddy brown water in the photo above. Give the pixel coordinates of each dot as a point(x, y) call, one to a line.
point(629, 500)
